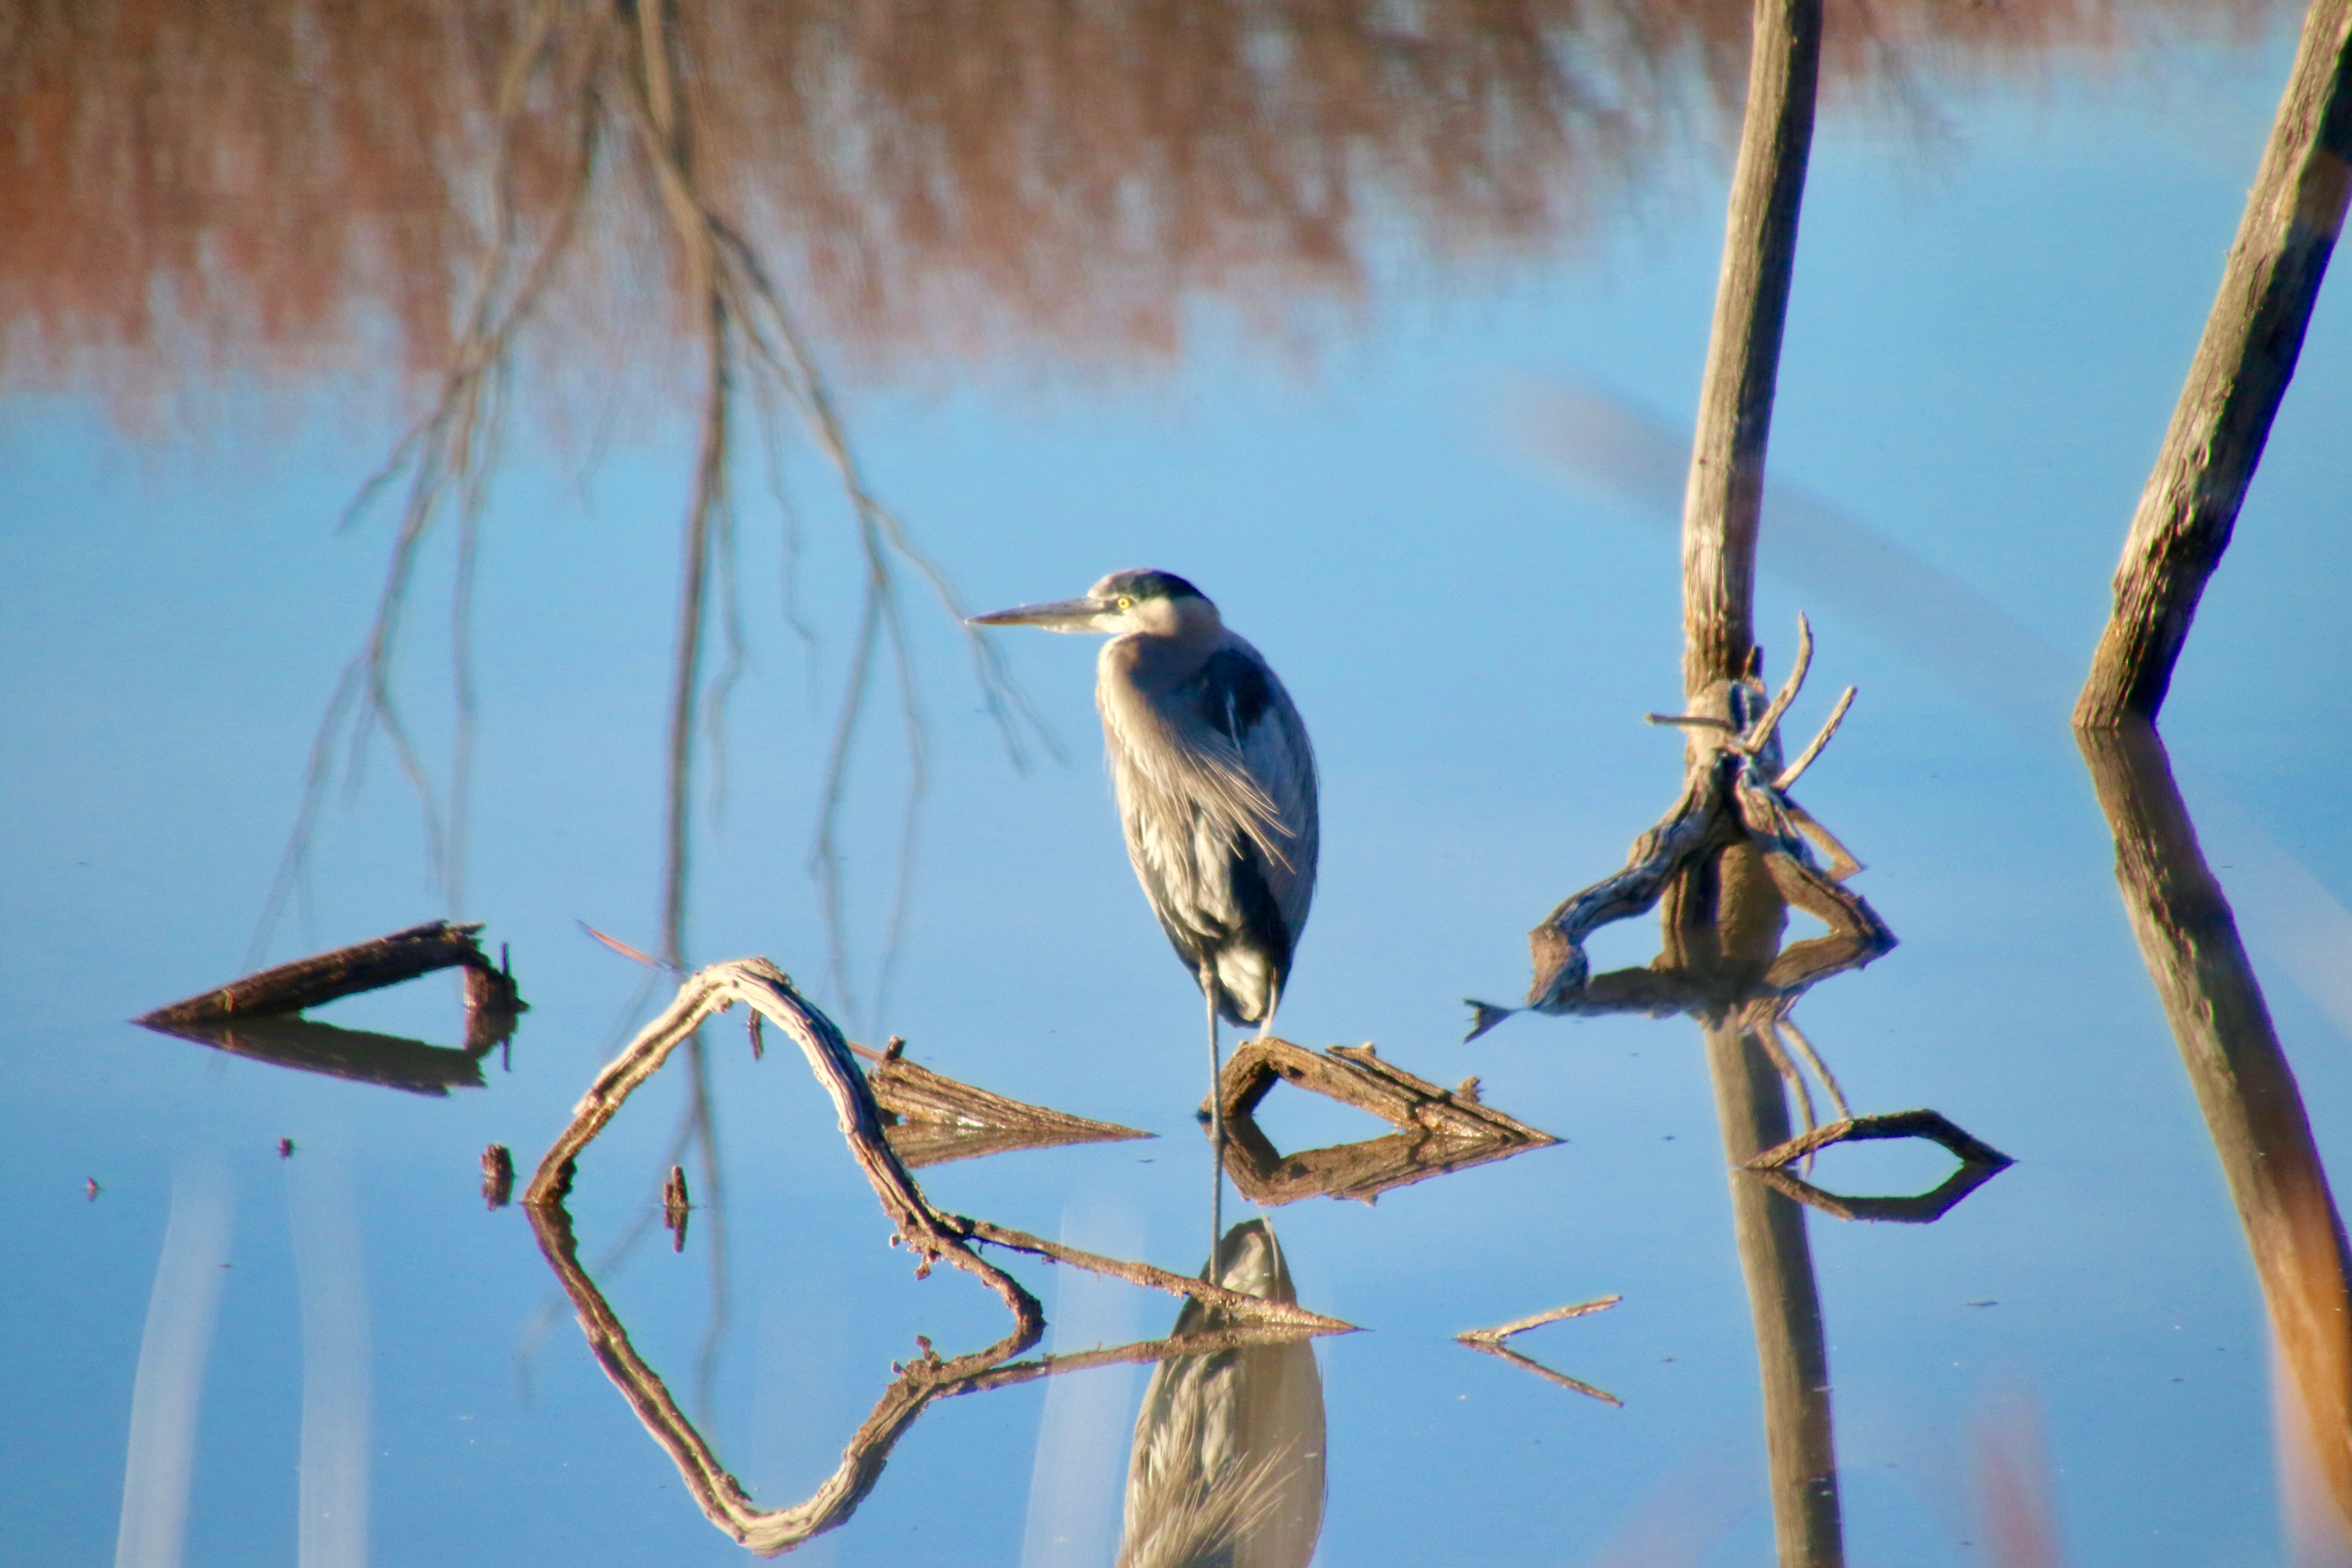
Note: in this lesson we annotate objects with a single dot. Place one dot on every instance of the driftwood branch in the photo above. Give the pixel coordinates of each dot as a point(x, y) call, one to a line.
point(1926, 1208)
point(1502, 1332)
point(1724, 494)
point(759, 985)
point(348, 971)
point(1931, 1125)
point(2243, 364)
point(1363, 1171)
point(1529, 1363)
point(1442, 1131)
point(1489, 1341)
point(932, 1236)
point(721, 1497)
point(1355, 1075)
point(1980, 1163)
point(1733, 795)
point(934, 1118)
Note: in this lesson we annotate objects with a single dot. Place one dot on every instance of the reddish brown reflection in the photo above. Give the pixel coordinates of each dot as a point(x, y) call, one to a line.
point(299, 183)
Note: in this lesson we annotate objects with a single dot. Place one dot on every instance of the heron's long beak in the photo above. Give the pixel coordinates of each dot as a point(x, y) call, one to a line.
point(1062, 615)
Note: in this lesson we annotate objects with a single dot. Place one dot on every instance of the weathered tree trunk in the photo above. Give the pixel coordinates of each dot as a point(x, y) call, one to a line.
point(1743, 353)
point(2240, 373)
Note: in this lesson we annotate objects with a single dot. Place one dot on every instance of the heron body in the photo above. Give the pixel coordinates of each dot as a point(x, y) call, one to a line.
point(1215, 781)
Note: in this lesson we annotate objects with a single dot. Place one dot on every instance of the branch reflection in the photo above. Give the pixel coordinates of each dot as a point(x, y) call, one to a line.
point(2188, 939)
point(769, 1531)
point(394, 1061)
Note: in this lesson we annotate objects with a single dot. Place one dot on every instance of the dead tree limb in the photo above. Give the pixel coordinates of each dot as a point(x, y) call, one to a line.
point(1923, 1208)
point(2243, 365)
point(1726, 490)
point(1502, 1332)
point(760, 984)
point(720, 1496)
point(1497, 1349)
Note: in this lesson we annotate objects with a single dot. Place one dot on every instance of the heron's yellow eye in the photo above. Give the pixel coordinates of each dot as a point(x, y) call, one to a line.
point(1125, 603)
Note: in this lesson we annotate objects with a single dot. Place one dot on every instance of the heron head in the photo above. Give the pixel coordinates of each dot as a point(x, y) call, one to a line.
point(1138, 601)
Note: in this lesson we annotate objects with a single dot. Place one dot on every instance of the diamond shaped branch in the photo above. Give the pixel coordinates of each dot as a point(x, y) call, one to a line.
point(930, 1234)
point(1980, 1163)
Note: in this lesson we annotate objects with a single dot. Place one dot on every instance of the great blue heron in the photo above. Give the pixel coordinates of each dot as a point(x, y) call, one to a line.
point(1216, 787)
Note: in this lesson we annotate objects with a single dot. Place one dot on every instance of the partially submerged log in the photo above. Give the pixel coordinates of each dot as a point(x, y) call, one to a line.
point(1363, 1171)
point(1442, 1130)
point(1355, 1075)
point(347, 971)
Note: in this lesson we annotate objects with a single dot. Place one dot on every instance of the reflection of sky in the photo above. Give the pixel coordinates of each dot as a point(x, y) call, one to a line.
point(1984, 345)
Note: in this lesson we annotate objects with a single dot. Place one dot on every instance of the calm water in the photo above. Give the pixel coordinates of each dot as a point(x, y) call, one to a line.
point(1406, 486)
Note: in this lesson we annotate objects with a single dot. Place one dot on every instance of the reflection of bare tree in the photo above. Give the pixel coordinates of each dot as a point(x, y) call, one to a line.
point(1227, 1467)
point(251, 181)
point(2243, 1083)
point(928, 1377)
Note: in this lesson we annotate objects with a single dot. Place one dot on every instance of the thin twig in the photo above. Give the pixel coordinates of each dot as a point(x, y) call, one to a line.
point(1502, 1332)
point(1796, 770)
point(1759, 734)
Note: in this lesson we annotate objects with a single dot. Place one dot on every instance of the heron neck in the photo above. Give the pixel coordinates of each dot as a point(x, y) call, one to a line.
point(1162, 659)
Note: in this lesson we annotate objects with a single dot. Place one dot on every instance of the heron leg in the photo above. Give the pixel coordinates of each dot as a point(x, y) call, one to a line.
point(1216, 1123)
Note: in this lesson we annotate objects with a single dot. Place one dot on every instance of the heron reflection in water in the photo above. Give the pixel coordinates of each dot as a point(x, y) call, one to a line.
point(1227, 1467)
point(1217, 789)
